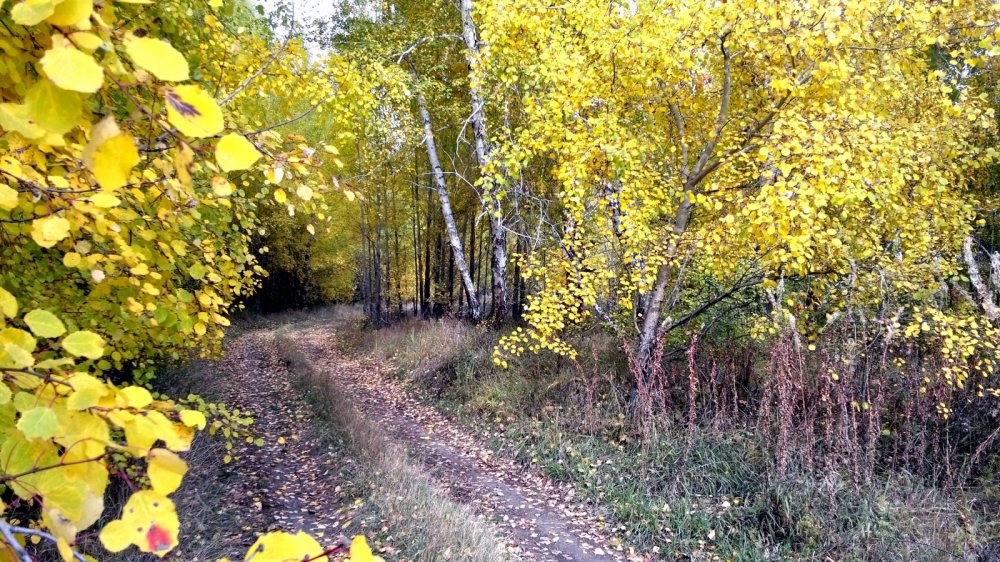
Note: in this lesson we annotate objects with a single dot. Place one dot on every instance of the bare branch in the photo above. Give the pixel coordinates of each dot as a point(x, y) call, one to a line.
point(720, 124)
point(406, 52)
point(8, 531)
point(254, 76)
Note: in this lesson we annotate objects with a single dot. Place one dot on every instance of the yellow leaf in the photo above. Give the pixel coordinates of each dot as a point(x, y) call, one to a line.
point(91, 506)
point(183, 157)
point(361, 552)
point(65, 550)
point(311, 229)
point(105, 200)
point(87, 391)
point(235, 152)
point(44, 324)
point(280, 196)
point(104, 129)
point(136, 396)
point(84, 344)
point(193, 111)
point(71, 12)
point(304, 192)
point(159, 58)
point(52, 108)
point(149, 521)
point(275, 175)
point(113, 161)
point(16, 347)
point(46, 232)
point(17, 117)
point(193, 418)
point(38, 423)
point(8, 197)
point(283, 547)
point(166, 470)
point(221, 186)
point(72, 69)
point(8, 304)
point(31, 12)
point(86, 41)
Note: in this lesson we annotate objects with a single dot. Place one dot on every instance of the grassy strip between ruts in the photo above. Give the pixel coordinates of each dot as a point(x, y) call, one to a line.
point(426, 525)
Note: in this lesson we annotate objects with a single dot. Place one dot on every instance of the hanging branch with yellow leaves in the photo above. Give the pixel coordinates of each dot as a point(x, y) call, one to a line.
point(126, 218)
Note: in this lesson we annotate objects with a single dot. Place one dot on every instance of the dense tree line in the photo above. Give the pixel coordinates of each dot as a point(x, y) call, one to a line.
point(816, 178)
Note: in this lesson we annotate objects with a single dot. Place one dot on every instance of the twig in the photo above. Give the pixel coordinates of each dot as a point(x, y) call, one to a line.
point(254, 76)
point(8, 531)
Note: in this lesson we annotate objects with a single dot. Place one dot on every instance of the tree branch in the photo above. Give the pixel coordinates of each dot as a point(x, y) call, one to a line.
point(254, 76)
point(8, 531)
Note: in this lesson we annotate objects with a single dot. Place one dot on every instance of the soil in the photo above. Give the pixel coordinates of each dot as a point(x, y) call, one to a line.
point(291, 483)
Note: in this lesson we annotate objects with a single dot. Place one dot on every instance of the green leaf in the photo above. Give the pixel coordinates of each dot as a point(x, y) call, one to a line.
point(44, 324)
point(38, 423)
point(84, 344)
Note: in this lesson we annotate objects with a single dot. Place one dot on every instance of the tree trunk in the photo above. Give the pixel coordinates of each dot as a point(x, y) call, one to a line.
point(415, 233)
point(449, 219)
point(425, 295)
point(650, 323)
point(491, 200)
point(984, 292)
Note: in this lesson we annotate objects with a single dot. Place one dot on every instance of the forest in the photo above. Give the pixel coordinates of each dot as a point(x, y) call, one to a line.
point(490, 280)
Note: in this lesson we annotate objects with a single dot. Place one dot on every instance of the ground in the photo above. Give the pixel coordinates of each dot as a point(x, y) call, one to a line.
point(293, 482)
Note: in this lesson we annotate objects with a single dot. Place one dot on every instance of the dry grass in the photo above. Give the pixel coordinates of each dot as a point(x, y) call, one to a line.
point(426, 524)
point(423, 347)
point(678, 488)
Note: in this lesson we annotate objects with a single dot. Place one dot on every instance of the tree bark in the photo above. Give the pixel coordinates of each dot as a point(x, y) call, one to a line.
point(691, 177)
point(425, 295)
point(650, 322)
point(985, 295)
point(491, 200)
point(458, 253)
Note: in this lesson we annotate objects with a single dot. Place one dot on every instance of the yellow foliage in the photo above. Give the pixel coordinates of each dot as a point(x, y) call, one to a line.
point(123, 244)
point(741, 143)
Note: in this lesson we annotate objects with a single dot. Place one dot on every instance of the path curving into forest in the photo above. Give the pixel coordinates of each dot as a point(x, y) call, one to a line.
point(537, 519)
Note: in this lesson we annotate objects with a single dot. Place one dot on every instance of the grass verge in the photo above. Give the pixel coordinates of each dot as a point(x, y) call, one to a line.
point(712, 494)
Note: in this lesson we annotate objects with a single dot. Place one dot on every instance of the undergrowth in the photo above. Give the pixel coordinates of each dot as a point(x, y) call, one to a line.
point(701, 491)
